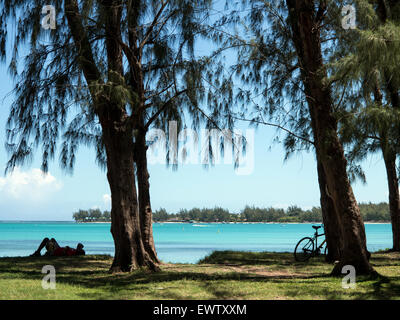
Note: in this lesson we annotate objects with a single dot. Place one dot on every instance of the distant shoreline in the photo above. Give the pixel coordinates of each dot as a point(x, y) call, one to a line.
point(371, 213)
point(175, 222)
point(204, 222)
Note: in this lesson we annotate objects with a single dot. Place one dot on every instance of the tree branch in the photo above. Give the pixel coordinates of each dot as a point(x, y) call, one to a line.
point(153, 24)
point(87, 62)
point(163, 107)
point(276, 126)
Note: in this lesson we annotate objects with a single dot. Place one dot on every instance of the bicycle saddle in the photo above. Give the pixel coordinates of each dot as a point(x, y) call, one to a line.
point(316, 227)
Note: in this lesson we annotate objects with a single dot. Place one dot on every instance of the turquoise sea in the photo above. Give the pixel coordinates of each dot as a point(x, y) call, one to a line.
point(175, 242)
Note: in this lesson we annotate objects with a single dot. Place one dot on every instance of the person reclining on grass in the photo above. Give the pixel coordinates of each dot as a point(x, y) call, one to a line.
point(54, 249)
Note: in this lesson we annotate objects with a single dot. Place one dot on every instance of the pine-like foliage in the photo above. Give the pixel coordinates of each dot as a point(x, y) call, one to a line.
point(367, 64)
point(264, 83)
point(55, 104)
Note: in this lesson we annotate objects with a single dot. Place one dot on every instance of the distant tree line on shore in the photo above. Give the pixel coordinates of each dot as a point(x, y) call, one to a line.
point(92, 215)
point(370, 212)
point(248, 214)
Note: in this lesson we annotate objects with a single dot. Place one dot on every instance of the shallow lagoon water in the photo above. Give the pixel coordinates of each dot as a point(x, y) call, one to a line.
point(175, 242)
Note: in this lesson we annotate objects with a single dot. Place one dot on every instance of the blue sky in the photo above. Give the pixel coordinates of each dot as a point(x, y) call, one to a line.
point(29, 195)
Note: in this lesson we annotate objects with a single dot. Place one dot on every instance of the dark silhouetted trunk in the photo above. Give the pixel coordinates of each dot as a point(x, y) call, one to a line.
point(329, 218)
point(130, 252)
point(305, 21)
point(389, 157)
point(146, 215)
point(126, 227)
point(394, 199)
point(117, 129)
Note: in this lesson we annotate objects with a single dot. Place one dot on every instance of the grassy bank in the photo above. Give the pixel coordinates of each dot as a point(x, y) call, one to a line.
point(222, 275)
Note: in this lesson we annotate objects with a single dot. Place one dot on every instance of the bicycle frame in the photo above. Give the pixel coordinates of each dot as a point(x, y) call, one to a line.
point(316, 236)
point(308, 247)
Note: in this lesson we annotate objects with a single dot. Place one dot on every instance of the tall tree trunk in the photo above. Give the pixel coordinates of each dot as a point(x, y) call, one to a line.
point(329, 218)
point(117, 130)
point(390, 157)
point(394, 199)
point(305, 23)
point(145, 212)
point(354, 251)
point(130, 252)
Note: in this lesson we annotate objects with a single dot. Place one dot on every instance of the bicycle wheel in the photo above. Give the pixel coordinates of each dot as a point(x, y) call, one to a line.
point(304, 249)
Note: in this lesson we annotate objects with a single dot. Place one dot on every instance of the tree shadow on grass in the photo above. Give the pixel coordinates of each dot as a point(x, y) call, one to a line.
point(254, 258)
point(367, 288)
point(385, 262)
point(215, 286)
point(210, 277)
point(62, 264)
point(383, 288)
point(91, 272)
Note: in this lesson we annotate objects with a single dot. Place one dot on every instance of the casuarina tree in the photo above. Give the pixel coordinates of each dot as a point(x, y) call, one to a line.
point(265, 84)
point(286, 61)
point(305, 20)
point(101, 73)
point(368, 60)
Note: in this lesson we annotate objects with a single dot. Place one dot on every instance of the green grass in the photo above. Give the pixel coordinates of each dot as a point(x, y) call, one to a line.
point(222, 275)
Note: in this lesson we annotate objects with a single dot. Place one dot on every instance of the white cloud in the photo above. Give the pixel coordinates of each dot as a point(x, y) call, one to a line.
point(28, 185)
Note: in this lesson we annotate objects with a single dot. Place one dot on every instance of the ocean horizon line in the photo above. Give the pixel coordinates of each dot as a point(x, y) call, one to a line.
point(175, 222)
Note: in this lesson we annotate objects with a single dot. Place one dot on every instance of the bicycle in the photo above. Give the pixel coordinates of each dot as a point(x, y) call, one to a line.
point(305, 247)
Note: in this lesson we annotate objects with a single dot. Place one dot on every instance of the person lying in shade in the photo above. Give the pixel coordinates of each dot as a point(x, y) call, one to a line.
point(54, 249)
